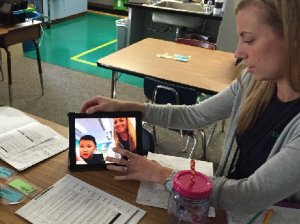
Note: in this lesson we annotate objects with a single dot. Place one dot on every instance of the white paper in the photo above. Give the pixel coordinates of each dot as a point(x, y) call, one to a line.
point(281, 215)
point(72, 201)
point(24, 141)
point(154, 194)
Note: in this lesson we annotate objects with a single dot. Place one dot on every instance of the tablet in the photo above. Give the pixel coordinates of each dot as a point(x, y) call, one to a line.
point(92, 137)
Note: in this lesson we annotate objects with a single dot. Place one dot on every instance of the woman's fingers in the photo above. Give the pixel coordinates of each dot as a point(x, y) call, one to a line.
point(125, 152)
point(117, 168)
point(122, 162)
point(89, 103)
point(100, 103)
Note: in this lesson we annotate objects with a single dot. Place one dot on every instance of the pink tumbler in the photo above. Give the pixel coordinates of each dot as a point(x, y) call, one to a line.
point(189, 200)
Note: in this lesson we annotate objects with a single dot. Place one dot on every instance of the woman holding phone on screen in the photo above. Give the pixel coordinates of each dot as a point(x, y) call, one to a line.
point(124, 134)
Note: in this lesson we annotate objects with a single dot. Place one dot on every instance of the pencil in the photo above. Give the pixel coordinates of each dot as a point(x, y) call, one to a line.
point(253, 218)
point(268, 216)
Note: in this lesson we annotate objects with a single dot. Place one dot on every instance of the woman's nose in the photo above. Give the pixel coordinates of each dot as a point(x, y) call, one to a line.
point(239, 53)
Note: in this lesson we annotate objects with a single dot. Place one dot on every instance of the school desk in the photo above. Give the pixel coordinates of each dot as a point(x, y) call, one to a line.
point(207, 70)
point(27, 31)
point(46, 173)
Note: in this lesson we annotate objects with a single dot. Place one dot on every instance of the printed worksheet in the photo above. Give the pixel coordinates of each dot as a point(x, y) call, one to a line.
point(72, 201)
point(24, 141)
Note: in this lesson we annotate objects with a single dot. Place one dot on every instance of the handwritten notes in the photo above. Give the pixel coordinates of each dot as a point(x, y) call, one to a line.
point(154, 194)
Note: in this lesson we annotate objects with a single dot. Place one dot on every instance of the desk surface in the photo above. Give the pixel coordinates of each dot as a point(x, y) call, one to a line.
point(5, 29)
point(48, 172)
point(210, 70)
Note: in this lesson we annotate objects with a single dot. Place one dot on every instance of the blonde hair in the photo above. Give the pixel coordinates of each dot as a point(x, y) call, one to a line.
point(131, 136)
point(284, 18)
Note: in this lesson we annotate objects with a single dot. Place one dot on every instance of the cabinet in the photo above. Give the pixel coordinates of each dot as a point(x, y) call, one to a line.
point(141, 25)
point(64, 8)
point(101, 3)
point(59, 9)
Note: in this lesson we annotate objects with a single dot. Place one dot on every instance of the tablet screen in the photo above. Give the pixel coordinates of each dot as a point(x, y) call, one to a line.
point(93, 137)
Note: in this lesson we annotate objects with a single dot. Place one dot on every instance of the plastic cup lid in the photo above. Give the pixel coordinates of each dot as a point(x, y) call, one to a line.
point(200, 188)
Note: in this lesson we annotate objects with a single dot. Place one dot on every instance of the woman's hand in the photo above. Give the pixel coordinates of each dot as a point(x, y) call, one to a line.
point(100, 103)
point(138, 168)
point(105, 104)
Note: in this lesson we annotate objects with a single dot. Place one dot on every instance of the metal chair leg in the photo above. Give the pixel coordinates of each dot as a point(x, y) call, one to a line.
point(193, 147)
point(38, 58)
point(187, 144)
point(154, 134)
point(203, 138)
point(223, 125)
point(1, 71)
point(9, 75)
point(211, 133)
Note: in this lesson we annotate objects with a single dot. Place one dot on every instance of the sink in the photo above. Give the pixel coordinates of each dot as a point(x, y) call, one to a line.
point(181, 6)
point(181, 20)
point(176, 20)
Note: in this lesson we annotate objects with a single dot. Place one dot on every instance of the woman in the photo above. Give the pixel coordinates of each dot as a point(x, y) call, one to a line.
point(263, 106)
point(124, 134)
point(87, 146)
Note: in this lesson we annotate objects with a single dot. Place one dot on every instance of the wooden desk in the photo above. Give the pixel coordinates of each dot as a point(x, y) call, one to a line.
point(17, 34)
point(207, 70)
point(48, 172)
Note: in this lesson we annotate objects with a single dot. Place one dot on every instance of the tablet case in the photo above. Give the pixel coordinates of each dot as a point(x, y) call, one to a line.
point(100, 126)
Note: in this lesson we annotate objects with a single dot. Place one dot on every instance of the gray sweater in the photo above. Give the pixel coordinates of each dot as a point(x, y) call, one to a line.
point(277, 179)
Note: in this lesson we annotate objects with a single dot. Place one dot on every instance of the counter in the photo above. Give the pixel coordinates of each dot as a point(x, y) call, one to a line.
point(187, 13)
point(141, 25)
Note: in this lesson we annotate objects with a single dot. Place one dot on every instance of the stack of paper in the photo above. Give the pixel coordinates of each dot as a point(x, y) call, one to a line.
point(72, 201)
point(154, 194)
point(24, 141)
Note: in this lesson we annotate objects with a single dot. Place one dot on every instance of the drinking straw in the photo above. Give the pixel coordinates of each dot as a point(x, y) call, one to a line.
point(192, 168)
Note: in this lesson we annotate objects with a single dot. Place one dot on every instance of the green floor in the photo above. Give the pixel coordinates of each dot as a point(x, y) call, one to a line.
point(78, 43)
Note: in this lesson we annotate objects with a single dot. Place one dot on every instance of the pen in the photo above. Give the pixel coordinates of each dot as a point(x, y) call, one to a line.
point(268, 216)
point(253, 218)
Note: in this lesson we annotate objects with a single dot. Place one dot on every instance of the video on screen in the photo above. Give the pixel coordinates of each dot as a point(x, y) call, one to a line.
point(95, 138)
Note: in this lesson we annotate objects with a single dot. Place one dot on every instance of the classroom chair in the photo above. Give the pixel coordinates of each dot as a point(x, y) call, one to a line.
point(147, 141)
point(197, 43)
point(206, 45)
point(162, 92)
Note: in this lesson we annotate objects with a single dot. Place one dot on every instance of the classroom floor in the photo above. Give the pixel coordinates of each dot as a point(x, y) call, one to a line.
point(78, 43)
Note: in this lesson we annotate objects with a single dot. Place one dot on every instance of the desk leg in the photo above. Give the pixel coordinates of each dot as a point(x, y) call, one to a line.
point(49, 15)
point(1, 71)
point(38, 58)
point(114, 78)
point(9, 75)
